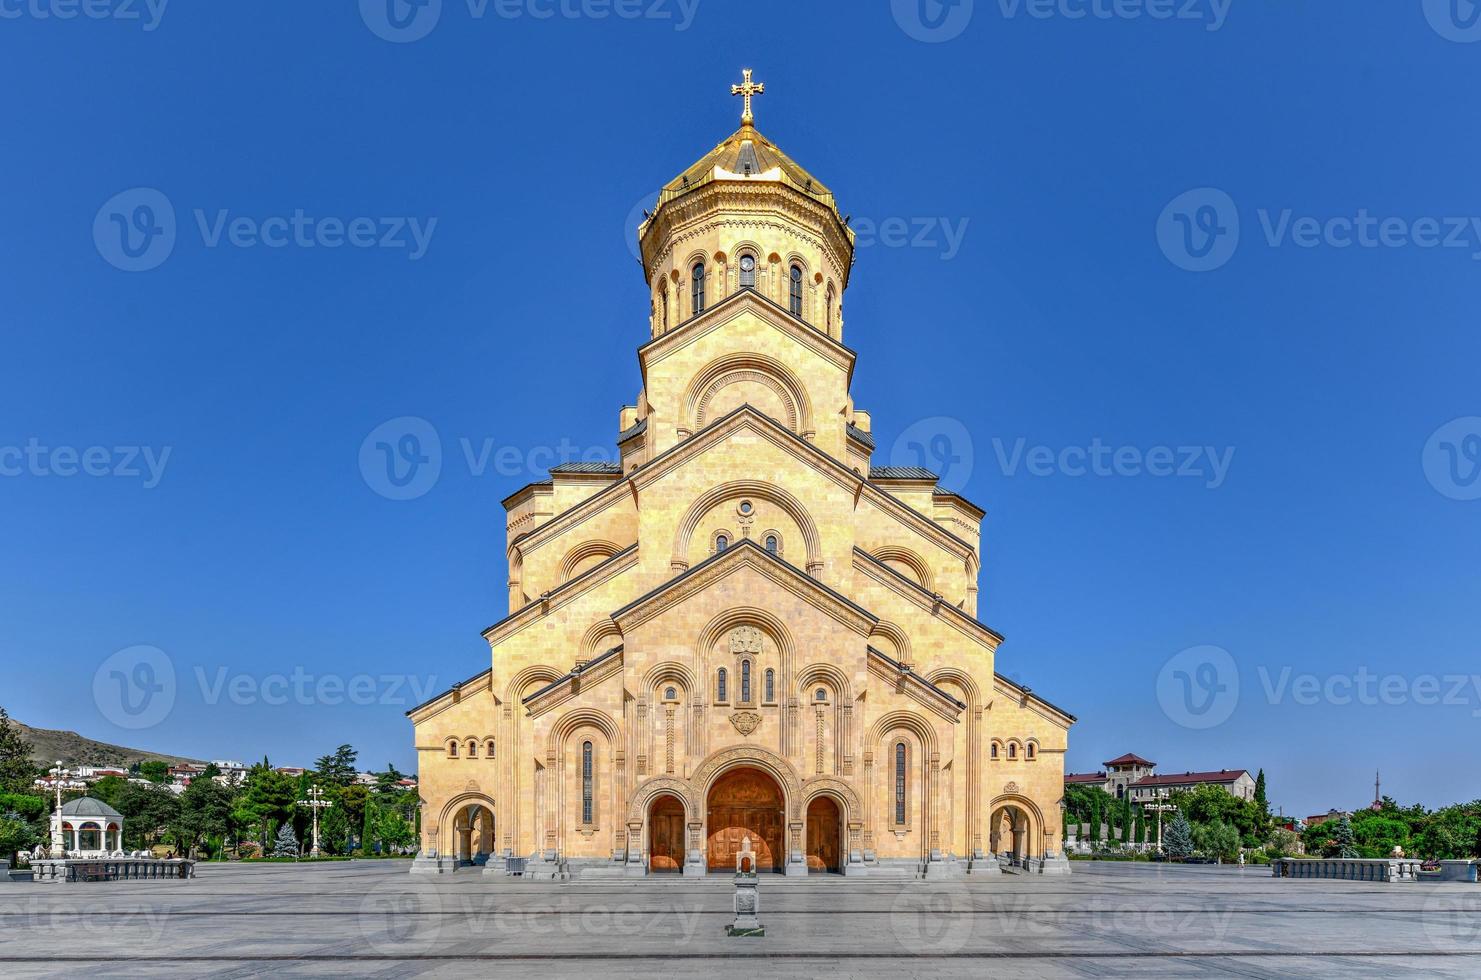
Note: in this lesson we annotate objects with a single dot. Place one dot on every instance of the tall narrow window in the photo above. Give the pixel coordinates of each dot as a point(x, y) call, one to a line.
point(472, 749)
point(697, 287)
point(721, 542)
point(748, 271)
point(720, 684)
point(830, 309)
point(745, 682)
point(663, 301)
point(900, 783)
point(995, 750)
point(771, 543)
point(1012, 751)
point(796, 292)
point(586, 782)
point(770, 684)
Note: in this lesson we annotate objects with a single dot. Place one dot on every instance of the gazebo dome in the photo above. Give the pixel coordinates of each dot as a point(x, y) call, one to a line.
point(87, 806)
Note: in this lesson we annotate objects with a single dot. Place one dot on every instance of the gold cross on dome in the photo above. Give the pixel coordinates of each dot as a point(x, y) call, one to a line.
point(747, 88)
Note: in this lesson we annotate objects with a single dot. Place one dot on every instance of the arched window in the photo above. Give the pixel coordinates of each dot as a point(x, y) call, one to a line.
point(472, 749)
point(795, 302)
point(697, 287)
point(771, 543)
point(488, 748)
point(899, 783)
point(745, 682)
point(830, 307)
point(1029, 751)
point(722, 542)
point(748, 271)
point(720, 684)
point(586, 782)
point(669, 694)
point(452, 750)
point(821, 694)
point(770, 684)
point(1012, 750)
point(663, 302)
point(994, 751)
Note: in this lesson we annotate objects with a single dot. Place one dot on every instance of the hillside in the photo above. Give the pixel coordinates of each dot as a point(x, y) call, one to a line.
point(47, 746)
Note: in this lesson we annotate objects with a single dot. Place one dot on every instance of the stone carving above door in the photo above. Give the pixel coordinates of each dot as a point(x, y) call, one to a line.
point(745, 722)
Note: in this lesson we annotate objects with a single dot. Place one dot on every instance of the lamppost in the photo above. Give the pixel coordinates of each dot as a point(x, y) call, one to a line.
point(57, 779)
point(1161, 808)
point(315, 803)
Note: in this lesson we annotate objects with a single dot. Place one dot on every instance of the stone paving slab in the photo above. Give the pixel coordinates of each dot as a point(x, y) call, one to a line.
point(374, 919)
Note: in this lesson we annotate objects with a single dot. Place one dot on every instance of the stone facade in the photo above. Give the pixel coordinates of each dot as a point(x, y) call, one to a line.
point(744, 628)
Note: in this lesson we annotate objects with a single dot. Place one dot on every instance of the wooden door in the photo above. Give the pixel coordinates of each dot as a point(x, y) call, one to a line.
point(822, 835)
point(745, 803)
point(666, 841)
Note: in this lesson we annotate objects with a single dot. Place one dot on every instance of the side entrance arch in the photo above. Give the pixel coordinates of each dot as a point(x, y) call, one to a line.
point(824, 835)
point(666, 835)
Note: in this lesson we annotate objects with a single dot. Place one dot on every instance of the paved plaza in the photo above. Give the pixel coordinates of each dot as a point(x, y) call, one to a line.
point(373, 919)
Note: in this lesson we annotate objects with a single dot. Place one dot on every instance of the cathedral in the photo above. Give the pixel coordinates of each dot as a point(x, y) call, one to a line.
point(746, 628)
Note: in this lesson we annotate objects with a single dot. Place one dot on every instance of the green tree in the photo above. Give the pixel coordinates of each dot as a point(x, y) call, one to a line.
point(267, 797)
point(17, 771)
point(337, 768)
point(1450, 832)
point(353, 800)
point(1177, 839)
point(396, 833)
point(155, 770)
point(1343, 844)
point(149, 811)
point(386, 782)
point(1261, 800)
point(1139, 828)
point(206, 809)
point(107, 790)
point(1217, 839)
point(334, 830)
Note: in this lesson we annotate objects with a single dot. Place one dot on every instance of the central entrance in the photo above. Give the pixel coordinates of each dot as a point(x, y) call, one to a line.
point(745, 803)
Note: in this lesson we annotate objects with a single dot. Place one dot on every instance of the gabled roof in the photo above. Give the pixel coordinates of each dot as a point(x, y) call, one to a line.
point(1027, 692)
point(1084, 777)
point(900, 668)
point(748, 551)
point(854, 432)
point(573, 674)
point(1129, 759)
point(579, 467)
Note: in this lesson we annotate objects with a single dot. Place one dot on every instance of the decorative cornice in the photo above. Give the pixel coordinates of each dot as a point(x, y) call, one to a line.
point(1027, 699)
point(549, 602)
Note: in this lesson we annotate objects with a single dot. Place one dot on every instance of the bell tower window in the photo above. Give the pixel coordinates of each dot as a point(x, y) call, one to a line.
point(748, 271)
point(795, 292)
point(697, 287)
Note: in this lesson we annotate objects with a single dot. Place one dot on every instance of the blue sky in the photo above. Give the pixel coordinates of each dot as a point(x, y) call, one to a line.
point(1031, 290)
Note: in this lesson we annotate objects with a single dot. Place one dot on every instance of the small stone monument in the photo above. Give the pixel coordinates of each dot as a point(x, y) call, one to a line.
point(747, 896)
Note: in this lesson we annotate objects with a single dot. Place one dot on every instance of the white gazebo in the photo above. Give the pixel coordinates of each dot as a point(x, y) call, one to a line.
point(91, 828)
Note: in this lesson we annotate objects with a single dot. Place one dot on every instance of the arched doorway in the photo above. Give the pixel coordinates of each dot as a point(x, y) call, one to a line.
point(745, 803)
point(824, 834)
point(473, 834)
point(666, 835)
point(1011, 835)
